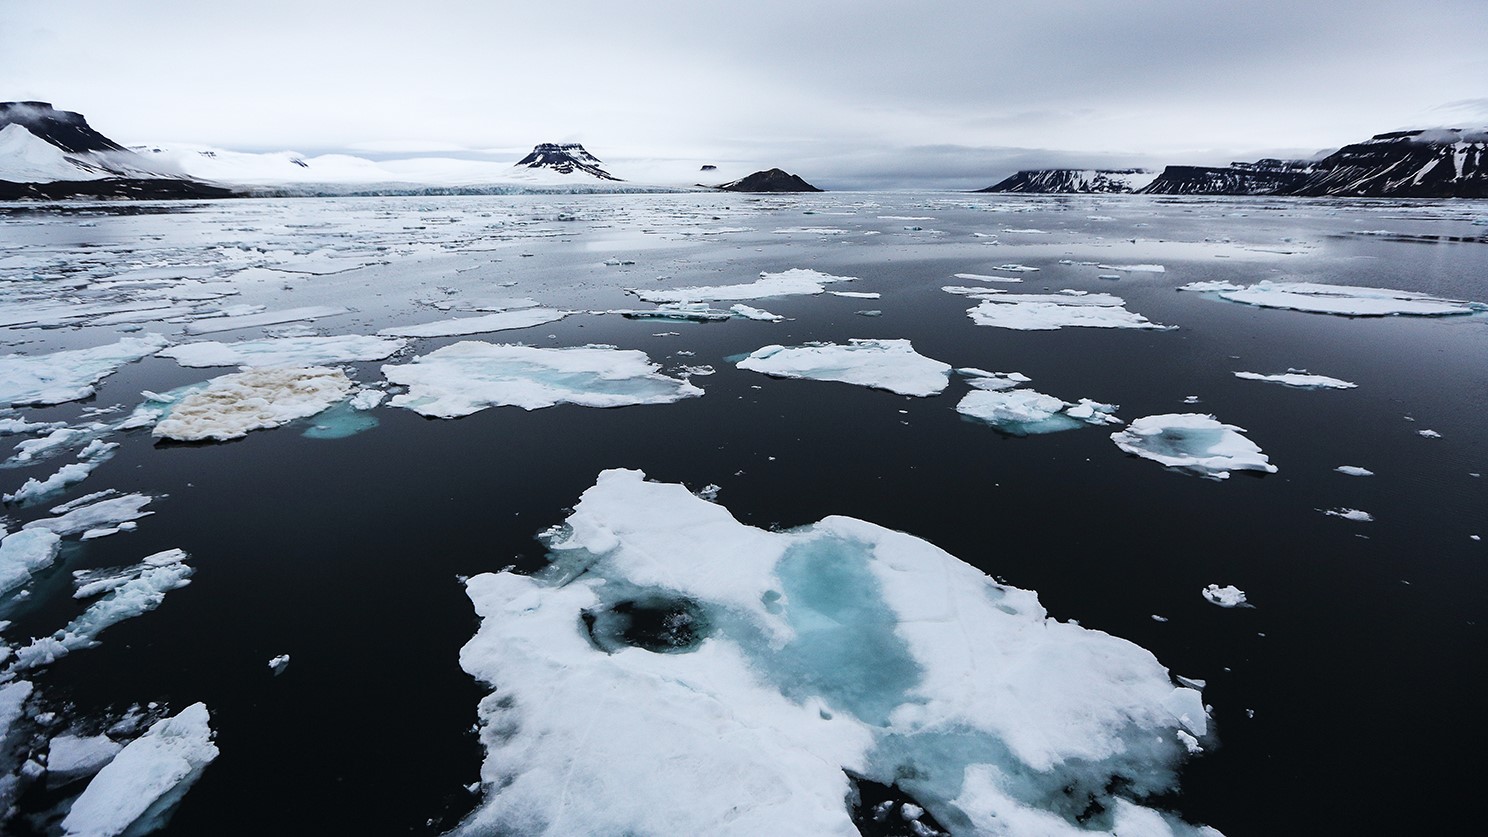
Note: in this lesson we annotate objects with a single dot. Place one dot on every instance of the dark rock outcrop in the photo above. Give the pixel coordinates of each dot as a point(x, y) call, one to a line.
point(771, 180)
point(565, 158)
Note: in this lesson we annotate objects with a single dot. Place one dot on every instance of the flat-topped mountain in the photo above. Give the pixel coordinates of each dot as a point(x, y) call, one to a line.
point(1440, 163)
point(770, 180)
point(565, 158)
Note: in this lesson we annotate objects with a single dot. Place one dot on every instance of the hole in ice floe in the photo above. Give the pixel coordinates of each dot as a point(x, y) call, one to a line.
point(880, 810)
point(771, 601)
point(658, 623)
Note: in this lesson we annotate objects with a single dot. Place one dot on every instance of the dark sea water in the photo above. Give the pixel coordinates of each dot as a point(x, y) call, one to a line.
point(1348, 700)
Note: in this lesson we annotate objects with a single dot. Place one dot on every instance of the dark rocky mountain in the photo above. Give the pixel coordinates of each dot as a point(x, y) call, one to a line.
point(565, 158)
point(50, 154)
point(1074, 181)
point(1444, 163)
point(771, 180)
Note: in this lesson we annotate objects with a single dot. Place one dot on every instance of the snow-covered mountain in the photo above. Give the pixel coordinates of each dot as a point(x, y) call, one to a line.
point(50, 153)
point(565, 158)
point(1263, 177)
point(1075, 181)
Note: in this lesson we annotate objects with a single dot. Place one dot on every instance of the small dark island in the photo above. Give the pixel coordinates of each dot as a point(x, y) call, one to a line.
point(771, 180)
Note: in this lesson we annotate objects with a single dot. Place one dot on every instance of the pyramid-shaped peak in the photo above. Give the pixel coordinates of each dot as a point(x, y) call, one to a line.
point(565, 158)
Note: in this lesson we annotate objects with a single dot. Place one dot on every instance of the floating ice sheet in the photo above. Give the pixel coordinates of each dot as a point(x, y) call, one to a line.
point(1193, 442)
point(25, 552)
point(792, 282)
point(231, 406)
point(1044, 312)
point(470, 376)
point(78, 516)
point(1346, 300)
point(285, 351)
point(68, 375)
point(1299, 379)
point(1227, 596)
point(286, 315)
point(70, 756)
point(138, 789)
point(500, 321)
point(1021, 412)
point(893, 365)
point(677, 672)
point(1354, 471)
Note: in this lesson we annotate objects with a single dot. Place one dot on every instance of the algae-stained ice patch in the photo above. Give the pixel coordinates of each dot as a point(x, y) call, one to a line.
point(673, 671)
point(1193, 442)
point(68, 375)
point(470, 376)
point(137, 791)
point(231, 406)
point(893, 365)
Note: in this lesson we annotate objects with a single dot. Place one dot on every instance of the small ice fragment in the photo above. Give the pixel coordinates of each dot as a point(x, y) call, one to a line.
point(366, 399)
point(1350, 514)
point(893, 365)
point(1354, 471)
point(1134, 268)
point(1429, 434)
point(279, 663)
point(751, 313)
point(1227, 596)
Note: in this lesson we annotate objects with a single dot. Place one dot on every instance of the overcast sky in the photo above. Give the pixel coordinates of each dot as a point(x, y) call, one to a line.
point(842, 89)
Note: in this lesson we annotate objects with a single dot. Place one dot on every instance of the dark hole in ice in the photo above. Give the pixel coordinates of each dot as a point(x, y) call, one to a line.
point(880, 810)
point(663, 624)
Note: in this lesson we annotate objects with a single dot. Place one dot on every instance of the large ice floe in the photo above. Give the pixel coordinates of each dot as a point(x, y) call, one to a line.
point(499, 321)
point(1193, 442)
point(674, 671)
point(136, 792)
point(1045, 312)
point(230, 406)
point(285, 351)
point(68, 375)
point(893, 365)
point(470, 376)
point(1346, 300)
point(23, 553)
point(1299, 379)
point(793, 282)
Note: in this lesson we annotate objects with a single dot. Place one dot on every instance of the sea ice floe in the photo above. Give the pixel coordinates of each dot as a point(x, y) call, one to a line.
point(285, 315)
point(68, 375)
point(24, 553)
point(697, 312)
point(787, 283)
point(285, 351)
point(1134, 268)
point(35, 490)
point(137, 791)
point(992, 381)
point(733, 676)
point(127, 592)
point(279, 663)
point(893, 365)
point(1043, 312)
point(982, 277)
point(1354, 471)
point(89, 513)
point(1193, 442)
point(470, 376)
point(73, 756)
point(1299, 379)
point(751, 313)
point(1346, 300)
point(230, 406)
point(1227, 596)
point(1350, 514)
point(1022, 411)
point(499, 321)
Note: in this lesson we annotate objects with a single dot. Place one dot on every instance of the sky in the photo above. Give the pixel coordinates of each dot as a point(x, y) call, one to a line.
point(847, 93)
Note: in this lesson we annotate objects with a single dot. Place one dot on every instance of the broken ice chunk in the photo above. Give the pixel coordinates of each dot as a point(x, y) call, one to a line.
point(279, 663)
point(1045, 312)
point(500, 321)
point(231, 406)
point(284, 351)
point(1227, 596)
point(1299, 379)
point(752, 313)
point(893, 365)
point(106, 512)
point(24, 553)
point(1021, 412)
point(35, 490)
point(788, 283)
point(68, 375)
point(1193, 442)
point(73, 756)
point(470, 376)
point(287, 315)
point(1354, 471)
point(1346, 300)
point(138, 789)
point(1350, 514)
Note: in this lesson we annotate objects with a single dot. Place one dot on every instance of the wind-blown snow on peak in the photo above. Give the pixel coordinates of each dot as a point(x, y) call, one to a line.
point(565, 158)
point(64, 129)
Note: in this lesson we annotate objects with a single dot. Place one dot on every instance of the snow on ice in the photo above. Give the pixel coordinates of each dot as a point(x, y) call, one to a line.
point(1021, 412)
point(137, 790)
point(1193, 442)
point(740, 672)
point(470, 376)
point(230, 406)
point(68, 375)
point(284, 351)
point(24, 553)
point(1227, 596)
point(893, 365)
point(499, 321)
point(1299, 379)
point(1043, 312)
point(1346, 300)
point(792, 282)
point(79, 516)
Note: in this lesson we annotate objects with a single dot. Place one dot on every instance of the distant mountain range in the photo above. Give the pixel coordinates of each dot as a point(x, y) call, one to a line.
point(1443, 163)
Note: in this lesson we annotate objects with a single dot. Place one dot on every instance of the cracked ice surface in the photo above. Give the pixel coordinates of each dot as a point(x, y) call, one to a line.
point(1346, 300)
point(469, 376)
point(136, 791)
point(783, 659)
point(68, 375)
point(1193, 442)
point(893, 365)
point(230, 406)
point(284, 351)
point(788, 283)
